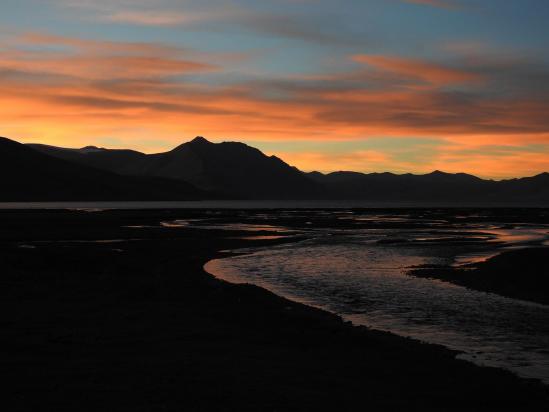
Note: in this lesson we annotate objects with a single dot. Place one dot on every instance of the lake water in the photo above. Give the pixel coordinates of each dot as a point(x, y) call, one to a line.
point(360, 274)
point(355, 263)
point(228, 204)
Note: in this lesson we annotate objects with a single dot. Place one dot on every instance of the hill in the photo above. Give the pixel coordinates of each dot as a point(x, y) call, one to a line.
point(231, 168)
point(29, 175)
point(236, 170)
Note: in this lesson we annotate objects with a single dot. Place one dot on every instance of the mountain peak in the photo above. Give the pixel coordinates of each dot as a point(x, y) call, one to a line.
point(196, 142)
point(90, 149)
point(200, 139)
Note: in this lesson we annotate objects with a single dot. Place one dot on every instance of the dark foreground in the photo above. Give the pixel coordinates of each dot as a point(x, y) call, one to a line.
point(137, 325)
point(519, 274)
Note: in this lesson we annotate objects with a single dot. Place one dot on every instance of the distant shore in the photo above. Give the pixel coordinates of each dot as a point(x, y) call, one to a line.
point(520, 274)
point(134, 323)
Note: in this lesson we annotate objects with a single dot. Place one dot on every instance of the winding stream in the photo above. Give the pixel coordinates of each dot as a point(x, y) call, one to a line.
point(362, 277)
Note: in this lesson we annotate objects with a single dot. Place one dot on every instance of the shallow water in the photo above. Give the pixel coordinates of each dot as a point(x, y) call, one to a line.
point(364, 280)
point(231, 204)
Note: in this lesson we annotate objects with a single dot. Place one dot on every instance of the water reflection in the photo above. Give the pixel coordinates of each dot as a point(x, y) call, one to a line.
point(362, 278)
point(230, 226)
point(265, 237)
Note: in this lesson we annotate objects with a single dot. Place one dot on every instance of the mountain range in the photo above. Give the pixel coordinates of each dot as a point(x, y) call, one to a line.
point(30, 175)
point(230, 169)
point(200, 169)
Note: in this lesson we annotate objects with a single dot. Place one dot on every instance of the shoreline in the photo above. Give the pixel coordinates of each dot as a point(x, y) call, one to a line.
point(142, 326)
point(422, 345)
point(516, 274)
point(329, 314)
point(243, 204)
point(349, 322)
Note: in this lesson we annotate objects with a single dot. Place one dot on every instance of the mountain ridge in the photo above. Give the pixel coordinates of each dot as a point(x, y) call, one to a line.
point(29, 175)
point(236, 170)
point(231, 168)
point(201, 139)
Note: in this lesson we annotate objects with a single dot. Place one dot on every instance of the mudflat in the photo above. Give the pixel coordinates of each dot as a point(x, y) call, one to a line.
point(112, 311)
point(520, 274)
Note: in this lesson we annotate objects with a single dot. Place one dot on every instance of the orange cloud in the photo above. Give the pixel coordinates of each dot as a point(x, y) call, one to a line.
point(90, 59)
point(66, 94)
point(96, 46)
point(151, 18)
point(434, 3)
point(418, 69)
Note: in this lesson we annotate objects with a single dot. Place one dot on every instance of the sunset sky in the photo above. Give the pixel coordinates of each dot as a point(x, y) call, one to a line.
point(365, 85)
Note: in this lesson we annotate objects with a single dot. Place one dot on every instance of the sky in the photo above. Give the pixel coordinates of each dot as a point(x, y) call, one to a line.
point(365, 85)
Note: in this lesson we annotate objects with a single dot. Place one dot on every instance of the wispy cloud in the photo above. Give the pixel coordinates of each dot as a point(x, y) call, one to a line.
point(151, 18)
point(94, 59)
point(434, 3)
point(68, 90)
point(433, 73)
point(143, 13)
point(385, 94)
point(232, 17)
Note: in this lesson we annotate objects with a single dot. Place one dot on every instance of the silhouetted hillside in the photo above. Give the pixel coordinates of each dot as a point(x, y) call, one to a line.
point(434, 187)
point(231, 168)
point(126, 162)
point(28, 175)
point(519, 274)
point(240, 171)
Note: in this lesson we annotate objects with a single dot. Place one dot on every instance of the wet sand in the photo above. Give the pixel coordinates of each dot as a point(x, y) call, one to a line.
point(520, 274)
point(137, 325)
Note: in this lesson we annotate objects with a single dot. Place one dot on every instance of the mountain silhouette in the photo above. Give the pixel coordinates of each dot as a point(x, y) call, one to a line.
point(238, 171)
point(29, 175)
point(435, 187)
point(231, 168)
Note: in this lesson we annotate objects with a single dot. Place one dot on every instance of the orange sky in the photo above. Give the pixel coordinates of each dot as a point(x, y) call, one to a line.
point(480, 111)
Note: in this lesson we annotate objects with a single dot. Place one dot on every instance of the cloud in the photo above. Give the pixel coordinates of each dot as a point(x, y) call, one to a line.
point(385, 95)
point(231, 17)
point(305, 27)
point(418, 69)
point(96, 46)
point(159, 13)
point(70, 90)
point(171, 17)
point(108, 104)
point(94, 59)
point(434, 3)
point(151, 18)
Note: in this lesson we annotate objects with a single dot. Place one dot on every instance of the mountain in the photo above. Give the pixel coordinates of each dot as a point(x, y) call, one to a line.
point(435, 187)
point(235, 170)
point(29, 175)
point(231, 168)
point(125, 162)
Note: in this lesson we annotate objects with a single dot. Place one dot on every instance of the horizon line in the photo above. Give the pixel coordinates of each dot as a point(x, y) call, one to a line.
point(323, 172)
